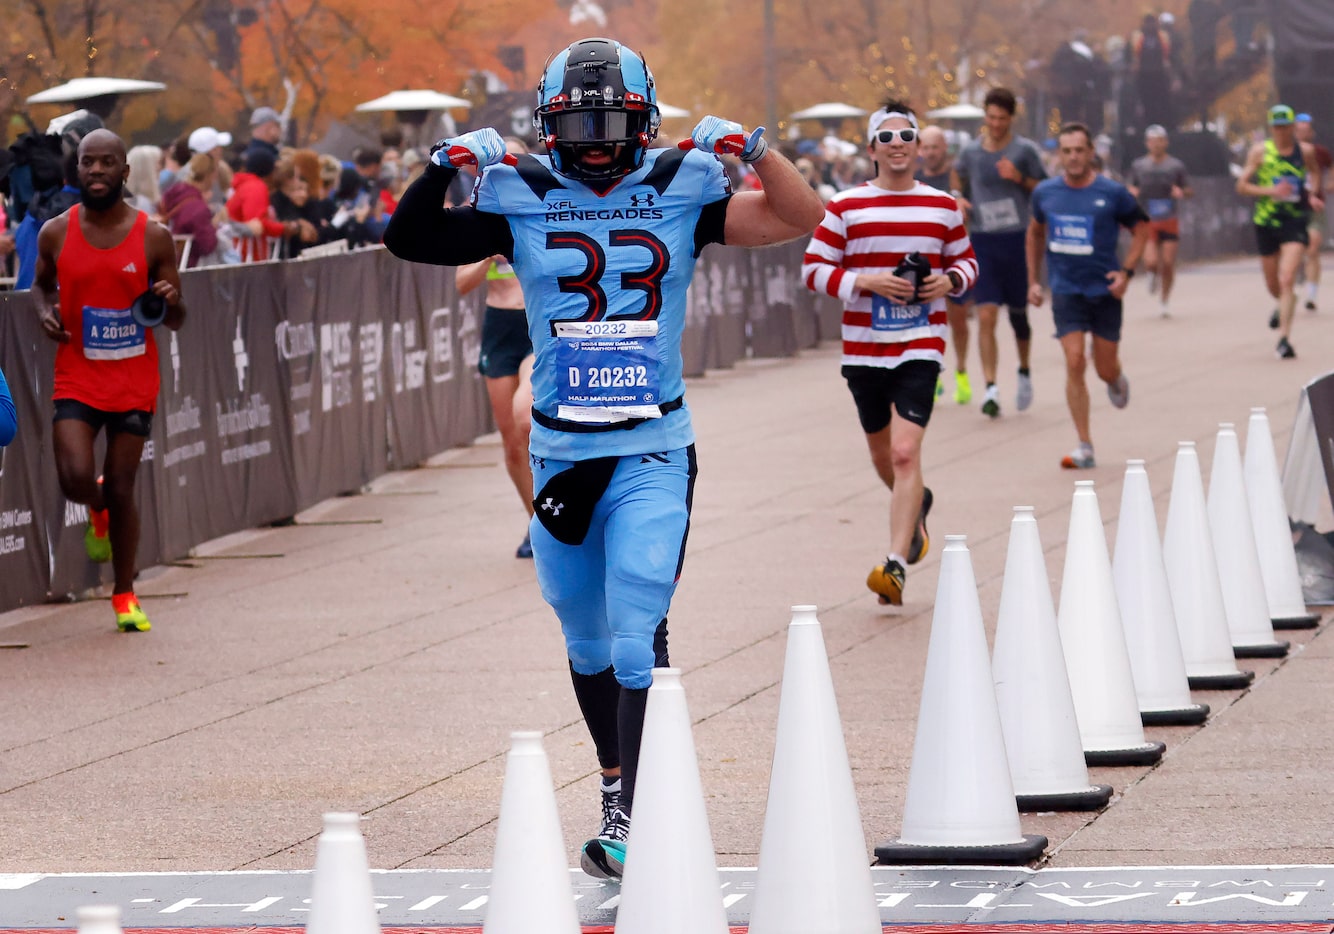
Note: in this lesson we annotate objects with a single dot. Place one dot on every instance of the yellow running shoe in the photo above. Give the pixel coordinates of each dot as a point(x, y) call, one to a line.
point(963, 390)
point(129, 615)
point(887, 581)
point(97, 537)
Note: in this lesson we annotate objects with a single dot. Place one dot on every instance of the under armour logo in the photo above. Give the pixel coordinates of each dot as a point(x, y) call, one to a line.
point(641, 201)
point(130, 267)
point(553, 506)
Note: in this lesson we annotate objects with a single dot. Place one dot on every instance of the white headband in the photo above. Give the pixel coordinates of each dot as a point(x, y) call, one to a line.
point(880, 116)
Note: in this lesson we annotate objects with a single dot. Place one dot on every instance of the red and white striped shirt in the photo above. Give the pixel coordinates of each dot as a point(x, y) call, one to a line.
point(870, 229)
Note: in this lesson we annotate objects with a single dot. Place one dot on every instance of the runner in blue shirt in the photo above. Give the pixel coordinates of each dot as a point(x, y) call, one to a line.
point(9, 422)
point(603, 233)
point(1075, 222)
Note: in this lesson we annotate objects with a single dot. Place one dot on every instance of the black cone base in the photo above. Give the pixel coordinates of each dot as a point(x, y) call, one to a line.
point(894, 853)
point(1177, 716)
point(1090, 799)
point(1229, 682)
point(1148, 754)
point(1267, 650)
point(1306, 621)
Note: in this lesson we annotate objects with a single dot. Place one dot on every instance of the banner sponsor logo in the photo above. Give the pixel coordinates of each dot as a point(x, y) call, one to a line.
point(335, 365)
point(241, 357)
point(442, 345)
point(407, 358)
point(11, 520)
point(75, 514)
point(371, 340)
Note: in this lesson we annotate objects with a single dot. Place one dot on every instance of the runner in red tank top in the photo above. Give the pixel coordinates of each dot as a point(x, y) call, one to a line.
point(93, 263)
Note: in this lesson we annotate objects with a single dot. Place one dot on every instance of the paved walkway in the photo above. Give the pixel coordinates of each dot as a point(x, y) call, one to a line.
point(375, 656)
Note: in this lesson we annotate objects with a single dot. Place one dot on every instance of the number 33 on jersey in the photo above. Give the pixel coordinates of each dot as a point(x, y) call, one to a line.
point(605, 276)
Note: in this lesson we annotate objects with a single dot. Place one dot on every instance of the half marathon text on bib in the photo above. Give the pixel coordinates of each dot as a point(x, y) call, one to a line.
point(111, 334)
point(607, 369)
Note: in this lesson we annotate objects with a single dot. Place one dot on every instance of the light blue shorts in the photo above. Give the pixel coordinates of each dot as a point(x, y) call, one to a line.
point(611, 566)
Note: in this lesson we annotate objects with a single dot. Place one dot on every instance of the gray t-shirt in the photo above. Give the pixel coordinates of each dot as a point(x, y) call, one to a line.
point(999, 206)
point(1154, 181)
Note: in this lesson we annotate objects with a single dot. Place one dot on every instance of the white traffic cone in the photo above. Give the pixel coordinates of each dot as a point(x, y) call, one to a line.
point(1032, 690)
point(98, 919)
point(813, 873)
point(1273, 534)
point(1096, 658)
point(341, 901)
point(671, 881)
point(1145, 601)
point(1192, 575)
point(530, 881)
point(1234, 550)
point(960, 807)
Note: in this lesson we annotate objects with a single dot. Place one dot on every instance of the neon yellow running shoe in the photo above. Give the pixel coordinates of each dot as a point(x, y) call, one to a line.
point(129, 615)
point(940, 385)
point(97, 537)
point(963, 390)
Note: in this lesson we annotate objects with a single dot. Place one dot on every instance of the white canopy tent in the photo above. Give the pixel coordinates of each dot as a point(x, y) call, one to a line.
point(96, 95)
point(413, 100)
point(82, 89)
point(957, 112)
point(828, 111)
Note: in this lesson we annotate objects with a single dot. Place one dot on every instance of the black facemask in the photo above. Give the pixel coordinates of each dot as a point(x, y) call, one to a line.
point(103, 202)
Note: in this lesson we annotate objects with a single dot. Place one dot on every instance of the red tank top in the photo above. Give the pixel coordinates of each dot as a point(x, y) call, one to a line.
point(110, 362)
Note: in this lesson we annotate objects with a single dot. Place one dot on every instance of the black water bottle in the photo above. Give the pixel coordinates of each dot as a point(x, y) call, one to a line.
point(915, 268)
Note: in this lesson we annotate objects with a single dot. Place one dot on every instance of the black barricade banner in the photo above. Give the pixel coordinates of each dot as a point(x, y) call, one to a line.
point(730, 288)
point(474, 406)
point(24, 565)
point(772, 316)
point(431, 407)
point(805, 321)
point(227, 459)
point(338, 396)
point(695, 334)
point(1320, 396)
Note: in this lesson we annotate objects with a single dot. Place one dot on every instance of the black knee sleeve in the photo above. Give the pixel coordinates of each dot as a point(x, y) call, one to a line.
point(599, 698)
point(631, 720)
point(1019, 321)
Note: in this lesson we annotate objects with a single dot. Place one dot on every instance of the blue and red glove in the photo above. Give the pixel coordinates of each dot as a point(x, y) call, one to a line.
point(714, 134)
point(480, 148)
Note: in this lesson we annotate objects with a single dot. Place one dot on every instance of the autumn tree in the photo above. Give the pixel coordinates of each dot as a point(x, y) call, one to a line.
point(859, 51)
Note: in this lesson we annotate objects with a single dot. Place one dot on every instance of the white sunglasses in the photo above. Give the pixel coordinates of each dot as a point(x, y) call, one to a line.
point(907, 134)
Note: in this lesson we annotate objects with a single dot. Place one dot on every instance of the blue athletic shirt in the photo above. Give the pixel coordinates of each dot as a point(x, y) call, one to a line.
point(9, 421)
point(604, 279)
point(1082, 230)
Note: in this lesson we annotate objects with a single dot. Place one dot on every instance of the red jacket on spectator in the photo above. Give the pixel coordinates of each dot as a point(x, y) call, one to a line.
point(250, 201)
point(187, 213)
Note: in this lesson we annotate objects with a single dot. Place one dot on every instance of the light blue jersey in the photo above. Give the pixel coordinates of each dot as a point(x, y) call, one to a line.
point(604, 278)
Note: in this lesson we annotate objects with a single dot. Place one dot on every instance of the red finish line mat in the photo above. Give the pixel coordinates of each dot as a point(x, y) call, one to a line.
point(1057, 927)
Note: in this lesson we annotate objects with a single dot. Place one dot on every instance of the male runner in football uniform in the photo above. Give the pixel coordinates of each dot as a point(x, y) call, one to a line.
point(603, 233)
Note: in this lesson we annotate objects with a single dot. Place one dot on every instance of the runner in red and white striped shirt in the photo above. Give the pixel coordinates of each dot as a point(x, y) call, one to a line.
point(893, 332)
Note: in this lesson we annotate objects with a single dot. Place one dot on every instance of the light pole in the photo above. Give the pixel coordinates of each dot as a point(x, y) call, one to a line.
point(770, 71)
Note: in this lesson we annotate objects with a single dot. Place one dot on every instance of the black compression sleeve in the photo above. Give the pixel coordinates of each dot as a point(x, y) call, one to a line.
point(712, 221)
point(423, 230)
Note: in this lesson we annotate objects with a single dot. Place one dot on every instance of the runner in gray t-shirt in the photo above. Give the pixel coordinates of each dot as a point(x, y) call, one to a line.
point(997, 171)
point(1159, 181)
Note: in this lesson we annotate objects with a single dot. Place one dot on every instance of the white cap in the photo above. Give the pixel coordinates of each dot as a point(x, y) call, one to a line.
point(1167, 19)
point(207, 139)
